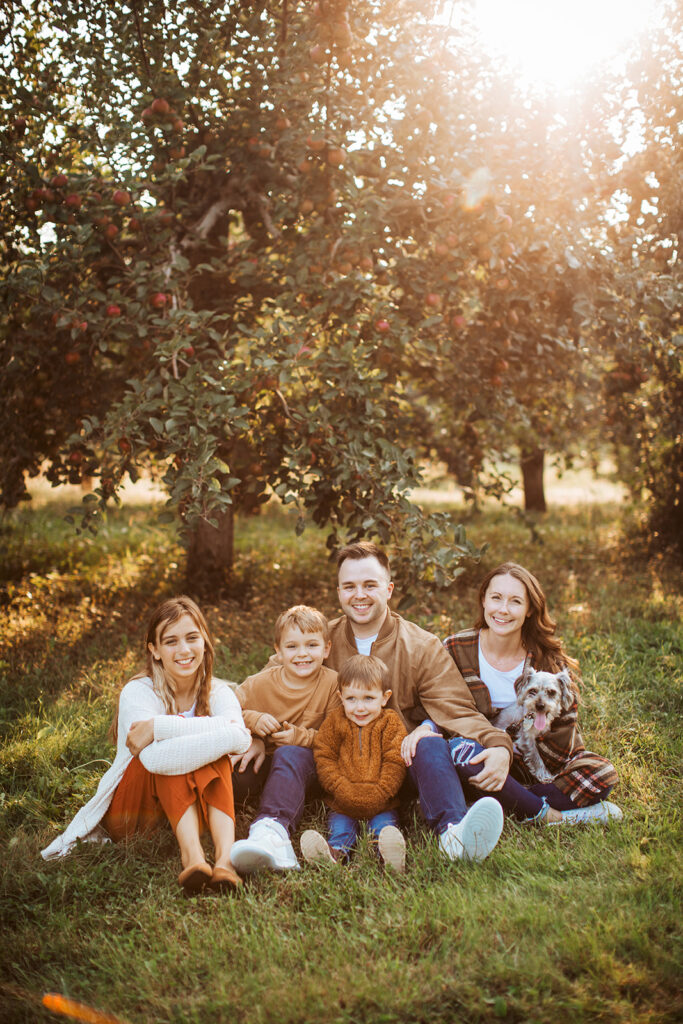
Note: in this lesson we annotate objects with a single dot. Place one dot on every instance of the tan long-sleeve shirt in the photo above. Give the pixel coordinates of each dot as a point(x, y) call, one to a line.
point(304, 706)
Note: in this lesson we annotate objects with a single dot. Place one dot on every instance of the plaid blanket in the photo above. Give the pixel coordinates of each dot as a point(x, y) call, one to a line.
point(583, 776)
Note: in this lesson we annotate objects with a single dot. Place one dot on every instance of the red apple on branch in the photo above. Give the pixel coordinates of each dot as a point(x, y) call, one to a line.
point(121, 197)
point(160, 107)
point(336, 156)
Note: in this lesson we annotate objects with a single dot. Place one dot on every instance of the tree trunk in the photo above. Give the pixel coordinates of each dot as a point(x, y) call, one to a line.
point(532, 477)
point(210, 555)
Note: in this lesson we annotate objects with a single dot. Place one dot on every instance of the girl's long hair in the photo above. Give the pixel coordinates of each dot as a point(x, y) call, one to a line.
point(538, 631)
point(161, 618)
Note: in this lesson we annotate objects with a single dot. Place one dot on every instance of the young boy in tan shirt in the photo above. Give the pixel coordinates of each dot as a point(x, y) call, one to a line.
point(283, 706)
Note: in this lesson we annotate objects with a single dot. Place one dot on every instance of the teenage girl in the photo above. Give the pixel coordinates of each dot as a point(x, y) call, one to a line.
point(175, 729)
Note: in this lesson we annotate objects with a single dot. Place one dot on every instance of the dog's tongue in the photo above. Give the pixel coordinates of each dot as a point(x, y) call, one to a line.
point(539, 722)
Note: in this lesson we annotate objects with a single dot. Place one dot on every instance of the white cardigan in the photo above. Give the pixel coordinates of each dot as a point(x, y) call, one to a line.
point(180, 745)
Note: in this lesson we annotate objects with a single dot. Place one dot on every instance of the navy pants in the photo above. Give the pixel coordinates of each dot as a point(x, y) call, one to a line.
point(283, 782)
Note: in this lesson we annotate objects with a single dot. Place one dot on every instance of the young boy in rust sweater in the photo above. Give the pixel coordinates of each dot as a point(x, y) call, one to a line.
point(358, 760)
point(283, 706)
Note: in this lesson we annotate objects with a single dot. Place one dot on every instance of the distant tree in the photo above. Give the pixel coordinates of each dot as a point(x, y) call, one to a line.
point(640, 295)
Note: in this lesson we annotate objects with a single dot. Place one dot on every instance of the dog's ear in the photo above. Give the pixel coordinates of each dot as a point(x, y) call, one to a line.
point(566, 688)
point(522, 681)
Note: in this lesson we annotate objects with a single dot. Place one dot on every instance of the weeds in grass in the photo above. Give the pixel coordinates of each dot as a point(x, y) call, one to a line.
point(564, 923)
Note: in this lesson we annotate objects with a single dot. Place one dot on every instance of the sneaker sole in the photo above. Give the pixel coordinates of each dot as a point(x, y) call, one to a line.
point(484, 824)
point(314, 848)
point(392, 848)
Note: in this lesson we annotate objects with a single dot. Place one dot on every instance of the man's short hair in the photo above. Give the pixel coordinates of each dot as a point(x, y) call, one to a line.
point(308, 620)
point(363, 549)
point(364, 671)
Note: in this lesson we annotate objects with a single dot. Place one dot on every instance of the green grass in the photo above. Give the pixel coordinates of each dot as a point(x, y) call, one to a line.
point(558, 925)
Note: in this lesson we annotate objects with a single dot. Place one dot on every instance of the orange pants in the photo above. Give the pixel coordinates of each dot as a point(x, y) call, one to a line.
point(144, 801)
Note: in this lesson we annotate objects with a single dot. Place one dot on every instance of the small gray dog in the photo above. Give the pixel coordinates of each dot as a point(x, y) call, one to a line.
point(541, 697)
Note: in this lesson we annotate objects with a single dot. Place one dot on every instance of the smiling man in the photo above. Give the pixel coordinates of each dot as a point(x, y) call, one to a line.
point(426, 685)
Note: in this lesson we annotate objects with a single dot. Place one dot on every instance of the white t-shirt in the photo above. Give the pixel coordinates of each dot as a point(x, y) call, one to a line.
point(364, 643)
point(190, 713)
point(501, 685)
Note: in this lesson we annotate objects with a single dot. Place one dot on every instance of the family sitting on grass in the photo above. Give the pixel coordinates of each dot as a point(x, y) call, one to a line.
point(370, 711)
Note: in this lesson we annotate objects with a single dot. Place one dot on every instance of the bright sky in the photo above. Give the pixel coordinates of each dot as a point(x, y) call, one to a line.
point(556, 42)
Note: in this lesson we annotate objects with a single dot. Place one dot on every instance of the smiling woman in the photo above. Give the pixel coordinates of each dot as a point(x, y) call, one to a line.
point(555, 43)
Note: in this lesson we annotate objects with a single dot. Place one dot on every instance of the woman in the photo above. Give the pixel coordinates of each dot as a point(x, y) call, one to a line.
point(175, 729)
point(514, 633)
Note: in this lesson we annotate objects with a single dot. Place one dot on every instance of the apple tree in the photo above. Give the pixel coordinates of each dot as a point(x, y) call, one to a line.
point(197, 262)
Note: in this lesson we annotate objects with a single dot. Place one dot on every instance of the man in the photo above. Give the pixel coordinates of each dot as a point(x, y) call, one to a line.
point(428, 692)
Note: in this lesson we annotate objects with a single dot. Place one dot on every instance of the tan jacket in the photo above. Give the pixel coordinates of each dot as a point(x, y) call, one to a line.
point(426, 682)
point(306, 707)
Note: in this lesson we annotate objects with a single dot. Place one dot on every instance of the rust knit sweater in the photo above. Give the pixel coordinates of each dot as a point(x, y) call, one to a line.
point(360, 768)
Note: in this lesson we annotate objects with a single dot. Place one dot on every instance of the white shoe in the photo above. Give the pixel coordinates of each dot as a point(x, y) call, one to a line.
point(315, 849)
point(476, 835)
point(599, 813)
point(267, 848)
point(392, 848)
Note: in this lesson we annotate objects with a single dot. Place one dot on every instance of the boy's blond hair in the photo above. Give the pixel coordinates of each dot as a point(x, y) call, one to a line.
point(308, 620)
point(364, 671)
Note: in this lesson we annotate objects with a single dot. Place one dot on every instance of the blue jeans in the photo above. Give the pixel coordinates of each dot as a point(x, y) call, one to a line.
point(283, 781)
point(344, 830)
point(438, 784)
point(522, 802)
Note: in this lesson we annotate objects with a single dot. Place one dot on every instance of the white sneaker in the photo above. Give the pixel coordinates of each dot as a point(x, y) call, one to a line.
point(599, 813)
point(392, 848)
point(476, 835)
point(267, 848)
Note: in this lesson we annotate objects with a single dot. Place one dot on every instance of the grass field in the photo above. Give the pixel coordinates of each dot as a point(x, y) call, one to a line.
point(574, 924)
